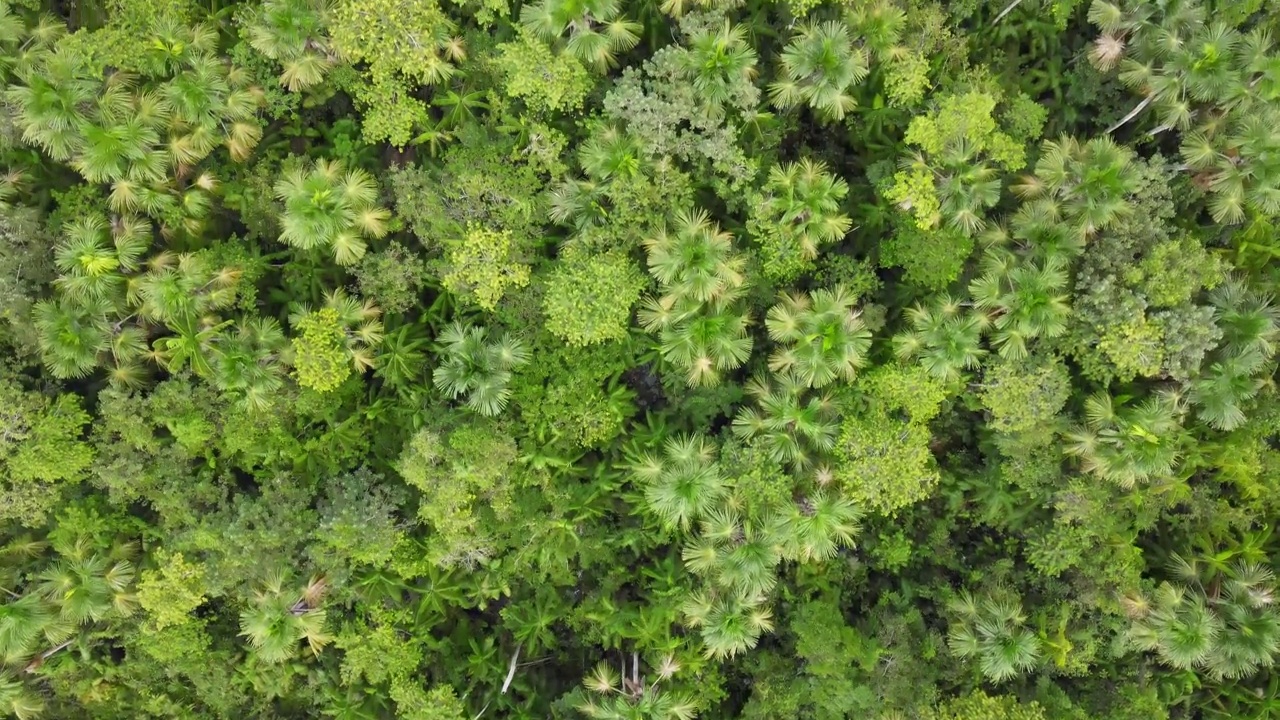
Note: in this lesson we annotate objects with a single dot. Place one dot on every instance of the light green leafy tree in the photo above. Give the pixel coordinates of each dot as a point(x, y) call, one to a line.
point(465, 477)
point(547, 81)
point(334, 339)
point(172, 591)
point(483, 265)
point(883, 459)
point(42, 451)
point(405, 44)
point(589, 297)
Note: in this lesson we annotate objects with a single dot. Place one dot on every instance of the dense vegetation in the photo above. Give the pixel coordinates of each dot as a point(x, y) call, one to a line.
point(762, 359)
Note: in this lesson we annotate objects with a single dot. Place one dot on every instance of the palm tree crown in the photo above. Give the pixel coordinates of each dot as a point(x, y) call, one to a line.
point(820, 65)
point(480, 369)
point(327, 207)
point(826, 338)
point(597, 29)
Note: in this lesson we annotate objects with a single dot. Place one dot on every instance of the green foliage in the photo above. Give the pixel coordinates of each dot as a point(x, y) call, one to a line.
point(931, 258)
point(170, 593)
point(1025, 395)
point(333, 340)
point(473, 366)
point(330, 208)
point(464, 477)
point(392, 278)
point(716, 357)
point(404, 44)
point(482, 267)
point(589, 297)
point(884, 461)
point(978, 705)
point(547, 82)
point(42, 448)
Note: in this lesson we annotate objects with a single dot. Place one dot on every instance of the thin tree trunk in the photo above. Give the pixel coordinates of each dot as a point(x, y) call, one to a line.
point(511, 670)
point(34, 664)
point(1132, 114)
point(1008, 9)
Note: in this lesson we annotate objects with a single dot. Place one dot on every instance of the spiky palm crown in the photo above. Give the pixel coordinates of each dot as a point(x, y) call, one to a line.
point(51, 100)
point(16, 699)
point(473, 366)
point(1026, 300)
point(825, 335)
point(1220, 618)
point(705, 344)
point(27, 625)
point(1125, 443)
point(1247, 318)
point(721, 63)
point(683, 483)
point(182, 288)
point(1091, 181)
point(249, 364)
point(735, 553)
point(796, 426)
point(1225, 386)
point(729, 624)
point(610, 153)
point(815, 528)
point(965, 194)
point(292, 32)
point(614, 697)
point(695, 261)
point(819, 65)
point(280, 617)
point(802, 200)
point(87, 586)
point(72, 335)
point(944, 338)
point(597, 29)
point(94, 257)
point(992, 630)
point(331, 207)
